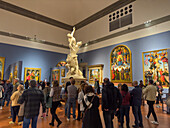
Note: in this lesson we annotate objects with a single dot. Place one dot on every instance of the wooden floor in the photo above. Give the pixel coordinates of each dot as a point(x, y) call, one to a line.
point(163, 118)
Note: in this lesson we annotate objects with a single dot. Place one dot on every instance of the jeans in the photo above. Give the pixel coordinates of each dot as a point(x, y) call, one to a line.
point(0, 101)
point(71, 101)
point(151, 110)
point(108, 118)
point(138, 116)
point(159, 98)
point(124, 111)
point(6, 97)
point(15, 110)
point(53, 112)
point(66, 108)
point(26, 122)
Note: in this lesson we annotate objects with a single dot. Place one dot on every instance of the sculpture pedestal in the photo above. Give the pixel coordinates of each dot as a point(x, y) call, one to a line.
point(78, 81)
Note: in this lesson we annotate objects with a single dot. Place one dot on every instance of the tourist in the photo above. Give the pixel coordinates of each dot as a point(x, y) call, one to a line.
point(7, 92)
point(118, 111)
point(55, 94)
point(111, 101)
point(26, 84)
point(125, 107)
point(47, 99)
point(72, 96)
point(15, 106)
point(150, 92)
point(16, 84)
point(80, 101)
point(32, 98)
point(91, 115)
point(159, 94)
point(66, 95)
point(1, 95)
point(136, 95)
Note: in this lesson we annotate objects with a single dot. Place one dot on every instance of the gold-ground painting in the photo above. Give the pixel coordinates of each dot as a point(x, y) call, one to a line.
point(121, 64)
point(2, 63)
point(155, 66)
point(32, 73)
point(56, 75)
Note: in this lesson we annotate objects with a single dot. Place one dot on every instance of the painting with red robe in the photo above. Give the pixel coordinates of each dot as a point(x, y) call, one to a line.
point(56, 75)
point(32, 73)
point(120, 64)
point(155, 66)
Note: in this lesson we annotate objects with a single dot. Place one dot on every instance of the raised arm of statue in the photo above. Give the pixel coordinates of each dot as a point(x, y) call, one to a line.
point(72, 33)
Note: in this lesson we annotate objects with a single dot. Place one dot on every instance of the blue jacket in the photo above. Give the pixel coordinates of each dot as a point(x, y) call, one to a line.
point(136, 95)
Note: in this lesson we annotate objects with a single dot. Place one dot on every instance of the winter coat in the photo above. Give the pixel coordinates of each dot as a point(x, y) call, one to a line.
point(150, 92)
point(92, 117)
point(80, 100)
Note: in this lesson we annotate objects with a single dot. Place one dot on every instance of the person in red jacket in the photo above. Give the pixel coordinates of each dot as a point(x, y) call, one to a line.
point(125, 107)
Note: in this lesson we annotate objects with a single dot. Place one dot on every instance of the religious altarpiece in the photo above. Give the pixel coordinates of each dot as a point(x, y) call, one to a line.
point(121, 64)
point(155, 66)
point(2, 63)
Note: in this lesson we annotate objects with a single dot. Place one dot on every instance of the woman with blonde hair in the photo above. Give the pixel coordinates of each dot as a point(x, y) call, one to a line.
point(15, 106)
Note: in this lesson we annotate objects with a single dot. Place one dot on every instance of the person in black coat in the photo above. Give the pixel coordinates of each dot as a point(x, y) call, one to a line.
point(91, 103)
point(111, 101)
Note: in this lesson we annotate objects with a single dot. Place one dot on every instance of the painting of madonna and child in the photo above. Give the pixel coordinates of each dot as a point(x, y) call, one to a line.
point(155, 66)
point(120, 64)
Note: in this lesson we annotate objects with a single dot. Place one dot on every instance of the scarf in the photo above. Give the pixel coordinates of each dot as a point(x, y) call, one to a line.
point(86, 100)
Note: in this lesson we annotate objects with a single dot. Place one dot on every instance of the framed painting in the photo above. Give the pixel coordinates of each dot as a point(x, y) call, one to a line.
point(95, 72)
point(61, 64)
point(2, 63)
point(62, 72)
point(121, 64)
point(155, 66)
point(56, 75)
point(32, 73)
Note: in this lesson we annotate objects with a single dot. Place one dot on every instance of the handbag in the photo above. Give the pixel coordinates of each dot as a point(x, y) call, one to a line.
point(87, 107)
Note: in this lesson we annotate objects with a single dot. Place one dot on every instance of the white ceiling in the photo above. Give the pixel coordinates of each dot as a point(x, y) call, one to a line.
point(66, 11)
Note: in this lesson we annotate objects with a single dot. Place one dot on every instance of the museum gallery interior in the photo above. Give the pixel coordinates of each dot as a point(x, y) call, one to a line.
point(123, 40)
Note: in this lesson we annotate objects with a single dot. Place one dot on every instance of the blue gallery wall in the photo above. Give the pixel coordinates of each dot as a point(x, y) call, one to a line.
point(137, 46)
point(31, 58)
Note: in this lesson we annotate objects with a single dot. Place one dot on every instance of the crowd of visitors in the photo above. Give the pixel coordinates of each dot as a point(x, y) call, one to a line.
point(115, 101)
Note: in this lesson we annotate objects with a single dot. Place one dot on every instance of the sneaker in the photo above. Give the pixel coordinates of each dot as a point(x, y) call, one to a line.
point(11, 122)
point(147, 117)
point(42, 117)
point(1, 108)
point(19, 123)
point(154, 122)
point(74, 118)
point(9, 117)
point(158, 106)
point(68, 119)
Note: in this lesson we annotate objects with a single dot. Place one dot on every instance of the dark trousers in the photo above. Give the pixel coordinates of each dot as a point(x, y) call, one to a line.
point(7, 98)
point(79, 112)
point(53, 111)
point(159, 98)
point(124, 111)
point(15, 110)
point(138, 116)
point(151, 109)
point(0, 101)
point(108, 118)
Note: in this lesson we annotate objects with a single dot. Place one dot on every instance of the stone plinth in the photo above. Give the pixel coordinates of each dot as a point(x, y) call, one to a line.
point(78, 81)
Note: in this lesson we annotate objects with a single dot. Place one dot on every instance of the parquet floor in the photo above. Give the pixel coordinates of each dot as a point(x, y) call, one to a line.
point(163, 118)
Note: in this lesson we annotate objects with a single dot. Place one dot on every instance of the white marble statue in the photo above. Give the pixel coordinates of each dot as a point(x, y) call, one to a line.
point(72, 62)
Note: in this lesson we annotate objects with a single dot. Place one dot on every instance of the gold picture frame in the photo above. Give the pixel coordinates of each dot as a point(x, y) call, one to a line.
point(63, 72)
point(121, 64)
point(56, 75)
point(32, 73)
point(2, 63)
point(96, 71)
point(155, 66)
